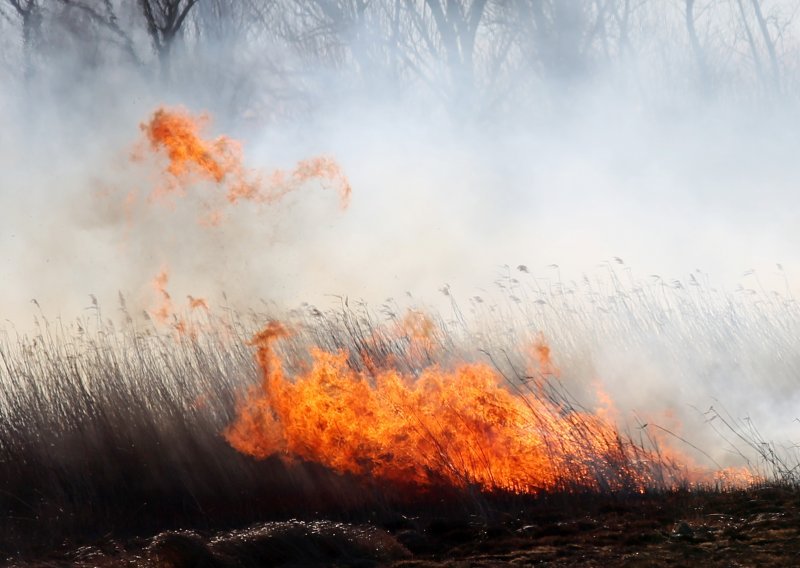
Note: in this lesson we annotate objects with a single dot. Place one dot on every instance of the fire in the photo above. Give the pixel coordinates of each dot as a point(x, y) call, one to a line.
point(418, 326)
point(324, 168)
point(192, 158)
point(197, 303)
point(462, 427)
point(163, 311)
point(178, 134)
point(419, 330)
point(176, 140)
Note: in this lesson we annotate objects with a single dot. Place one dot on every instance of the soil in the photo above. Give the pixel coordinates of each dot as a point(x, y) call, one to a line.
point(757, 527)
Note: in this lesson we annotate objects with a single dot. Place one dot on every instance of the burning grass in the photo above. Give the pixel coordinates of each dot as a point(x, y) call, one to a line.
point(457, 427)
point(129, 429)
point(205, 418)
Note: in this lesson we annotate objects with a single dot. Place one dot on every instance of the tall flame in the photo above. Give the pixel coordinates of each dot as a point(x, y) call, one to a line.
point(461, 427)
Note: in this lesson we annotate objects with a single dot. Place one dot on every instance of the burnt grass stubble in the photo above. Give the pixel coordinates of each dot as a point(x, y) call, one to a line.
point(111, 453)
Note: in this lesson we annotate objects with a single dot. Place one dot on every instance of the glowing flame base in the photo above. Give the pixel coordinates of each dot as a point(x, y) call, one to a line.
point(461, 427)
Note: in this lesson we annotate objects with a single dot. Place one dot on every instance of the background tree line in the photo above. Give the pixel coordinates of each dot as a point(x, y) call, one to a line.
point(277, 57)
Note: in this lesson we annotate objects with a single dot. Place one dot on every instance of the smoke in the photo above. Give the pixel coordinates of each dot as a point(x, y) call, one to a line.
point(457, 179)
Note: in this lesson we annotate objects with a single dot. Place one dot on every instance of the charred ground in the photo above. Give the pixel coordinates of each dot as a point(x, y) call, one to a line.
point(758, 526)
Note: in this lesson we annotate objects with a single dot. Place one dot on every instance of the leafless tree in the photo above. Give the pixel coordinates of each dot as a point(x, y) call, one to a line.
point(30, 13)
point(560, 36)
point(700, 57)
point(457, 25)
point(101, 13)
point(235, 49)
point(766, 38)
point(450, 47)
point(482, 54)
point(164, 20)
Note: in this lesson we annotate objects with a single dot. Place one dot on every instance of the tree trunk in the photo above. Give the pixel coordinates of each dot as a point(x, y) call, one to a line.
point(703, 71)
point(773, 57)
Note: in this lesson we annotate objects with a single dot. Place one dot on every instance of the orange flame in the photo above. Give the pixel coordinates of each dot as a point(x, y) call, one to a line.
point(419, 330)
point(164, 310)
point(197, 303)
point(191, 158)
point(542, 356)
point(418, 326)
point(459, 427)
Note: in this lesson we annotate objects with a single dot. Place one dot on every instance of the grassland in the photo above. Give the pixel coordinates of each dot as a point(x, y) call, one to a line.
point(111, 430)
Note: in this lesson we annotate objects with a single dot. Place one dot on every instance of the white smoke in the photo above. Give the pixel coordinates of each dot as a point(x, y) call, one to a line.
point(444, 193)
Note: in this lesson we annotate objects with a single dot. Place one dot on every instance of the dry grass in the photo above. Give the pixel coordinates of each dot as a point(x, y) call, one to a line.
point(112, 429)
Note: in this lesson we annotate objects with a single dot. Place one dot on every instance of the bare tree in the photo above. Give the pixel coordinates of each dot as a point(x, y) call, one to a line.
point(30, 13)
point(102, 14)
point(560, 36)
point(769, 44)
point(448, 47)
point(621, 16)
point(482, 54)
point(703, 68)
point(164, 19)
point(234, 50)
point(457, 24)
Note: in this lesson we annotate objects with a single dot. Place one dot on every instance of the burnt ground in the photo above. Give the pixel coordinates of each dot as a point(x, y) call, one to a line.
point(757, 527)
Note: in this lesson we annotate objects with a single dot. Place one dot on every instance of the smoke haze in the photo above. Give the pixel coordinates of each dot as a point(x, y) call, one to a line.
point(599, 149)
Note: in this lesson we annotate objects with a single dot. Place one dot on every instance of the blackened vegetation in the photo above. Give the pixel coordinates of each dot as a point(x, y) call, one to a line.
point(759, 526)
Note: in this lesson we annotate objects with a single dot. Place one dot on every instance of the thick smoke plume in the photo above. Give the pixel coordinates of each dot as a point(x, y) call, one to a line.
point(618, 176)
